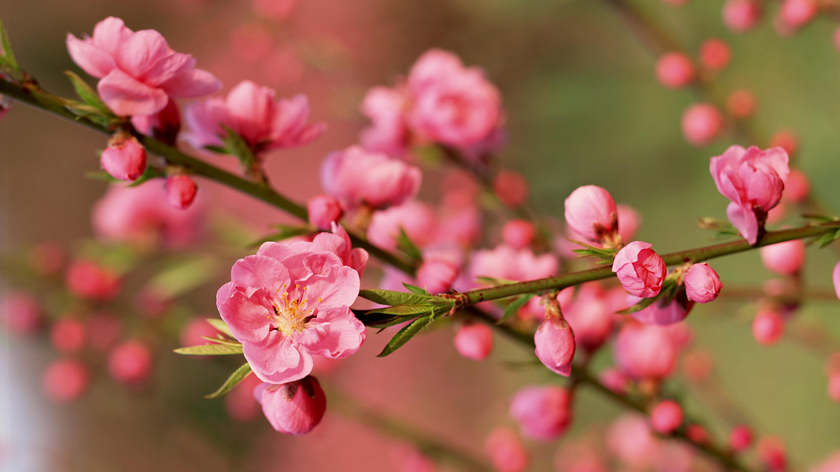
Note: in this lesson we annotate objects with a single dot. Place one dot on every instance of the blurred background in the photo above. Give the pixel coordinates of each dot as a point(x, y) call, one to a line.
point(583, 106)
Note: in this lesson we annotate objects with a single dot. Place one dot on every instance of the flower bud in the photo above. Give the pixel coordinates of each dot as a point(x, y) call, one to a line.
point(771, 452)
point(768, 327)
point(701, 124)
point(589, 315)
point(591, 212)
point(666, 417)
point(666, 311)
point(511, 188)
point(741, 438)
point(697, 434)
point(797, 187)
point(675, 70)
point(543, 413)
point(640, 269)
point(613, 379)
point(741, 15)
point(518, 234)
point(785, 140)
point(295, 407)
point(715, 54)
point(474, 341)
point(324, 210)
point(20, 313)
point(740, 104)
point(506, 451)
point(180, 191)
point(702, 283)
point(795, 14)
point(65, 380)
point(784, 258)
point(437, 275)
point(130, 363)
point(124, 158)
point(68, 335)
point(555, 345)
point(88, 280)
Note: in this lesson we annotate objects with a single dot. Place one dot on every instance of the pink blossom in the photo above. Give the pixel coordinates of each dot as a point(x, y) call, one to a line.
point(416, 218)
point(785, 258)
point(324, 210)
point(437, 275)
point(460, 226)
point(20, 313)
point(291, 301)
point(555, 343)
point(640, 269)
point(741, 15)
point(124, 158)
point(715, 54)
point(357, 177)
point(389, 133)
point(590, 317)
point(675, 70)
point(630, 440)
point(506, 451)
point(511, 188)
point(507, 263)
point(740, 438)
point(252, 112)
point(180, 191)
point(163, 125)
point(797, 13)
point(240, 403)
point(68, 335)
point(543, 413)
point(666, 417)
point(65, 380)
point(768, 327)
point(797, 187)
point(474, 341)
point(130, 363)
point(771, 452)
point(614, 380)
point(644, 351)
point(89, 280)
point(139, 72)
point(295, 407)
point(835, 278)
point(753, 180)
point(834, 386)
point(830, 464)
point(701, 124)
point(518, 234)
point(629, 221)
point(196, 330)
point(702, 283)
point(591, 212)
point(786, 140)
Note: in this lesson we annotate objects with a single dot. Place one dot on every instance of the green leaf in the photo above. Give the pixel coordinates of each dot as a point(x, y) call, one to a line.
point(221, 326)
point(217, 149)
point(87, 93)
point(220, 340)
point(416, 290)
point(405, 334)
point(7, 55)
point(641, 305)
point(101, 175)
point(236, 145)
point(404, 310)
point(378, 320)
point(390, 297)
point(210, 350)
point(284, 232)
point(405, 245)
point(237, 376)
point(492, 281)
point(511, 309)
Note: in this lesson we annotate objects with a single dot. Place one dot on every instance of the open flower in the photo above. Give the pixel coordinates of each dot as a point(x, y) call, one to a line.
point(290, 302)
point(139, 72)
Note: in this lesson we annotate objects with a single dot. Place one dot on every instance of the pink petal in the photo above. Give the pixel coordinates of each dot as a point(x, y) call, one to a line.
point(192, 84)
point(338, 288)
point(277, 360)
point(744, 221)
point(335, 334)
point(246, 317)
point(91, 59)
point(259, 272)
point(141, 52)
point(127, 97)
point(110, 34)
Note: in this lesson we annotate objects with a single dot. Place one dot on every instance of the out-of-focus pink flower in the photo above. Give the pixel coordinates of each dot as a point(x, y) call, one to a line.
point(665, 311)
point(753, 180)
point(124, 158)
point(518, 234)
point(507, 263)
point(474, 341)
point(666, 417)
point(511, 188)
point(701, 124)
point(437, 275)
point(47, 258)
point(715, 54)
point(836, 46)
point(630, 440)
point(786, 140)
point(358, 177)
point(629, 221)
point(614, 380)
point(251, 41)
point(252, 112)
point(834, 386)
point(675, 70)
point(295, 407)
point(89, 280)
point(68, 335)
point(741, 103)
point(506, 451)
point(20, 313)
point(274, 9)
point(740, 438)
point(590, 317)
point(591, 212)
point(555, 343)
point(830, 464)
point(835, 278)
point(65, 380)
point(795, 14)
point(139, 72)
point(785, 258)
point(240, 403)
point(416, 218)
point(289, 302)
point(644, 351)
point(460, 226)
point(768, 327)
point(142, 216)
point(324, 210)
point(640, 269)
point(452, 104)
point(130, 363)
point(180, 191)
point(797, 187)
point(741, 15)
point(771, 452)
point(388, 134)
point(103, 331)
point(163, 125)
point(702, 283)
point(543, 413)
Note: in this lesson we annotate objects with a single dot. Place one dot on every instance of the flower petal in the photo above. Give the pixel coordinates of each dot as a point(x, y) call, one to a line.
point(259, 272)
point(744, 220)
point(125, 96)
point(91, 59)
point(247, 317)
point(277, 360)
point(192, 83)
point(335, 334)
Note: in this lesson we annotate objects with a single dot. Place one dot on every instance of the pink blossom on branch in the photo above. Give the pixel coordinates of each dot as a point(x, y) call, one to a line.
point(324, 210)
point(295, 407)
point(591, 212)
point(139, 72)
point(416, 218)
point(124, 158)
point(555, 345)
point(543, 413)
point(640, 269)
point(358, 177)
point(702, 283)
point(474, 341)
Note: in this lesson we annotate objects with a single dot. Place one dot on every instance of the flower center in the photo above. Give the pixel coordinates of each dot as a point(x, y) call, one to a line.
point(291, 314)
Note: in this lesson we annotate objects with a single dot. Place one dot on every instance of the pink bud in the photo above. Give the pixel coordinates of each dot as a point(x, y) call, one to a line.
point(47, 258)
point(130, 363)
point(437, 275)
point(65, 380)
point(715, 54)
point(675, 70)
point(555, 345)
point(784, 258)
point(324, 210)
point(68, 335)
point(797, 13)
point(835, 278)
point(543, 413)
point(506, 451)
point(295, 407)
point(702, 283)
point(768, 327)
point(701, 124)
point(511, 188)
point(741, 15)
point(614, 380)
point(518, 233)
point(771, 451)
point(640, 269)
point(697, 434)
point(20, 313)
point(834, 386)
point(797, 187)
point(591, 212)
point(589, 315)
point(785, 140)
point(666, 417)
point(740, 104)
point(180, 191)
point(741, 438)
point(474, 341)
point(124, 158)
point(88, 280)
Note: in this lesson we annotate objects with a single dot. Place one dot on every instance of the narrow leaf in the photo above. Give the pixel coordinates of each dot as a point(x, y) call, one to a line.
point(378, 320)
point(416, 290)
point(210, 350)
point(8, 56)
point(390, 297)
point(237, 376)
point(515, 306)
point(86, 92)
point(641, 305)
point(405, 245)
point(220, 340)
point(405, 334)
point(403, 310)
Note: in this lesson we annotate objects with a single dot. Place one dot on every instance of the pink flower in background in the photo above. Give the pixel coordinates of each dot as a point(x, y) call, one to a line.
point(591, 212)
point(295, 407)
point(416, 218)
point(291, 301)
point(474, 341)
point(139, 72)
point(715, 54)
point(785, 258)
point(180, 191)
point(68, 335)
point(507, 263)
point(543, 413)
point(630, 440)
point(388, 133)
point(437, 275)
point(274, 9)
point(252, 112)
point(666, 417)
point(511, 188)
point(65, 380)
point(91, 281)
point(753, 180)
point(20, 313)
point(518, 234)
point(555, 345)
point(830, 464)
point(665, 311)
point(640, 269)
point(768, 327)
point(130, 363)
point(357, 177)
point(195, 330)
point(702, 123)
point(675, 70)
point(741, 438)
point(741, 15)
point(324, 210)
point(506, 451)
point(629, 221)
point(645, 351)
point(590, 316)
point(702, 283)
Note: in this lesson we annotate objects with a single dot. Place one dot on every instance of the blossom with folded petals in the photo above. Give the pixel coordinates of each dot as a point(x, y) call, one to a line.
point(591, 212)
point(416, 218)
point(295, 407)
point(640, 269)
point(358, 177)
point(702, 283)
